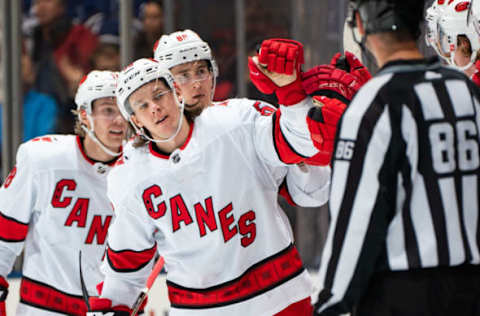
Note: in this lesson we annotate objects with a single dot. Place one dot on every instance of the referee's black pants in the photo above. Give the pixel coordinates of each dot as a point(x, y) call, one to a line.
point(427, 292)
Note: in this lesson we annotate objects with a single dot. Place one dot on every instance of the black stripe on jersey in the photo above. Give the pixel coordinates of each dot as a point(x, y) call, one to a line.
point(274, 120)
point(447, 103)
point(373, 244)
point(431, 186)
point(411, 242)
point(368, 123)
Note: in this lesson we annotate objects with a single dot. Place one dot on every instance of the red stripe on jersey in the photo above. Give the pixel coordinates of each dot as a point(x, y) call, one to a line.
point(12, 230)
point(91, 161)
point(46, 297)
point(285, 151)
point(283, 191)
point(156, 153)
point(258, 279)
point(130, 260)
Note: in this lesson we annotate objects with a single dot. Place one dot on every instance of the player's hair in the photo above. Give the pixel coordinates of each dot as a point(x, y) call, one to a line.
point(77, 128)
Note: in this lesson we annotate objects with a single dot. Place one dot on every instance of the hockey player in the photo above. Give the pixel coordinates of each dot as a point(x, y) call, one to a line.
point(433, 13)
point(190, 60)
point(53, 204)
point(404, 201)
point(457, 41)
point(203, 193)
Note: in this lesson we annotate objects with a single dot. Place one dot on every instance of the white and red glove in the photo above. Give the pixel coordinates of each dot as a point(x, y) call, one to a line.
point(3, 296)
point(279, 58)
point(476, 75)
point(103, 307)
point(322, 123)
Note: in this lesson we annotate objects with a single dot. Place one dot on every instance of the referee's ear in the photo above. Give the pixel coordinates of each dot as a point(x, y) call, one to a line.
point(359, 23)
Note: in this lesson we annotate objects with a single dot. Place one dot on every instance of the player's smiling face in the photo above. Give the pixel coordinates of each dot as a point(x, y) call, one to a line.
point(109, 125)
point(155, 109)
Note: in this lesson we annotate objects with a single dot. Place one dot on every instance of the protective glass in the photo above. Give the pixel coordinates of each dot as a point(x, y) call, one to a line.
point(107, 110)
point(188, 77)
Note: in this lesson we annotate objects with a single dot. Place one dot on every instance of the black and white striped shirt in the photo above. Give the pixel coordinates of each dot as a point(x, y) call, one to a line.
point(405, 188)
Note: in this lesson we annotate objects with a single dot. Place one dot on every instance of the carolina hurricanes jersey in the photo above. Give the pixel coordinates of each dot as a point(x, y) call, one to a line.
point(54, 205)
point(210, 209)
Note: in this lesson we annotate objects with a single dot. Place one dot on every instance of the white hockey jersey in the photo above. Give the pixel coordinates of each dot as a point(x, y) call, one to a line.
point(54, 204)
point(210, 209)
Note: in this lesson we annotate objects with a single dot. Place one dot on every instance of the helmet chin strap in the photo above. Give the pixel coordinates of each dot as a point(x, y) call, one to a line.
point(463, 68)
point(141, 131)
point(91, 134)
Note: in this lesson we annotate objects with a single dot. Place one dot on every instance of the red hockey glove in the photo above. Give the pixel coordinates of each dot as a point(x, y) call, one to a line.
point(278, 70)
point(3, 295)
point(352, 65)
point(326, 80)
point(476, 75)
point(322, 123)
point(103, 307)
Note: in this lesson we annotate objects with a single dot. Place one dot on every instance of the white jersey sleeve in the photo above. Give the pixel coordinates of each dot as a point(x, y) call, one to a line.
point(17, 199)
point(306, 186)
point(131, 248)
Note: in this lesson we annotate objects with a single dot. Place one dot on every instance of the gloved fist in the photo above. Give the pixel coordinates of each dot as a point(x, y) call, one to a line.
point(322, 123)
point(3, 295)
point(351, 64)
point(276, 68)
point(326, 80)
point(476, 75)
point(103, 307)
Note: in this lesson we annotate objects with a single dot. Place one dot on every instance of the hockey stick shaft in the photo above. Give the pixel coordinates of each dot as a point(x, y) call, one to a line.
point(82, 282)
point(151, 278)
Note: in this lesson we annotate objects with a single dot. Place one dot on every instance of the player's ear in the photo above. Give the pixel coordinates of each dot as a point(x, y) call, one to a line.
point(359, 23)
point(82, 116)
point(136, 121)
point(178, 90)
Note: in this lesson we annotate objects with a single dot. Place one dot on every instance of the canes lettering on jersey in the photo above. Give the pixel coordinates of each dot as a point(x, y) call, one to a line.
point(79, 212)
point(205, 216)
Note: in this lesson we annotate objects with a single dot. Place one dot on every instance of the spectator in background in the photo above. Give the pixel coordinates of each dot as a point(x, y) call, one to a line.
point(106, 57)
point(61, 53)
point(151, 15)
point(107, 54)
point(39, 110)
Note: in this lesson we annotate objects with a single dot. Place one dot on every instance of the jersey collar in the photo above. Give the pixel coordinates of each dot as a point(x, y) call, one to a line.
point(90, 160)
point(158, 153)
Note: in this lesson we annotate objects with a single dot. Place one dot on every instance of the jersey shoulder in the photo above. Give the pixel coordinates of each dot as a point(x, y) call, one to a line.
point(48, 151)
point(128, 167)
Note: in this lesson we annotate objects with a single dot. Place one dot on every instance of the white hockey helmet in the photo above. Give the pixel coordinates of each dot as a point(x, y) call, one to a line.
point(451, 24)
point(182, 47)
point(134, 76)
point(93, 86)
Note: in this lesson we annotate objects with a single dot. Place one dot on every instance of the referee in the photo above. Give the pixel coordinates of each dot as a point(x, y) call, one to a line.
point(404, 238)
